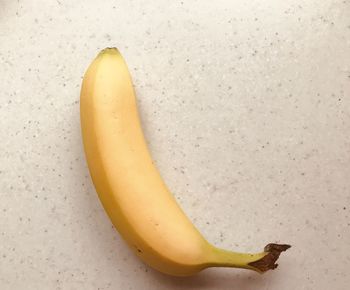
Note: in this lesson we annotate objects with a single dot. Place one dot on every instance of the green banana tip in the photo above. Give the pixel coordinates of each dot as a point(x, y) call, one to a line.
point(109, 50)
point(268, 262)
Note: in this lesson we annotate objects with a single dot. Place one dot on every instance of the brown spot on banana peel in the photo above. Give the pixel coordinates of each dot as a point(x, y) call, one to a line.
point(268, 261)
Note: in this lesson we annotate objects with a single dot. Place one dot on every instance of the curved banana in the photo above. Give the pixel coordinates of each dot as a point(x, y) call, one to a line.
point(131, 189)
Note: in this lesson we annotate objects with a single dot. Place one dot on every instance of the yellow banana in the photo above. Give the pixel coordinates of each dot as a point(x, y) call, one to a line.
point(130, 187)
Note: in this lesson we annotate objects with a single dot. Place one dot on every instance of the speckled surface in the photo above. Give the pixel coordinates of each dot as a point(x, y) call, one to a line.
point(245, 104)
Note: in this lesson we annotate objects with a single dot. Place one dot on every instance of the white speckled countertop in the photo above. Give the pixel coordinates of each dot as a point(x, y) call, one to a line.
point(245, 104)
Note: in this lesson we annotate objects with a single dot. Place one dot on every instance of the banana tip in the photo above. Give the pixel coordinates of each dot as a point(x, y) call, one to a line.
point(109, 50)
point(268, 262)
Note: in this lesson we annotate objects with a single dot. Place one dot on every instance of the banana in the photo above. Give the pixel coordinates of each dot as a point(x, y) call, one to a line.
point(131, 189)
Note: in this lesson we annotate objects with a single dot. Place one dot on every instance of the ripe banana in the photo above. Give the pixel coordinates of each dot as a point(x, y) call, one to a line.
point(130, 188)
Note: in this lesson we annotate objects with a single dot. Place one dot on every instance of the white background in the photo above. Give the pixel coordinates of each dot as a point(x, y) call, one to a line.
point(245, 105)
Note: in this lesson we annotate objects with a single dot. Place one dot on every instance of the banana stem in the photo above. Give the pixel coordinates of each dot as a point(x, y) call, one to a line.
point(259, 262)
